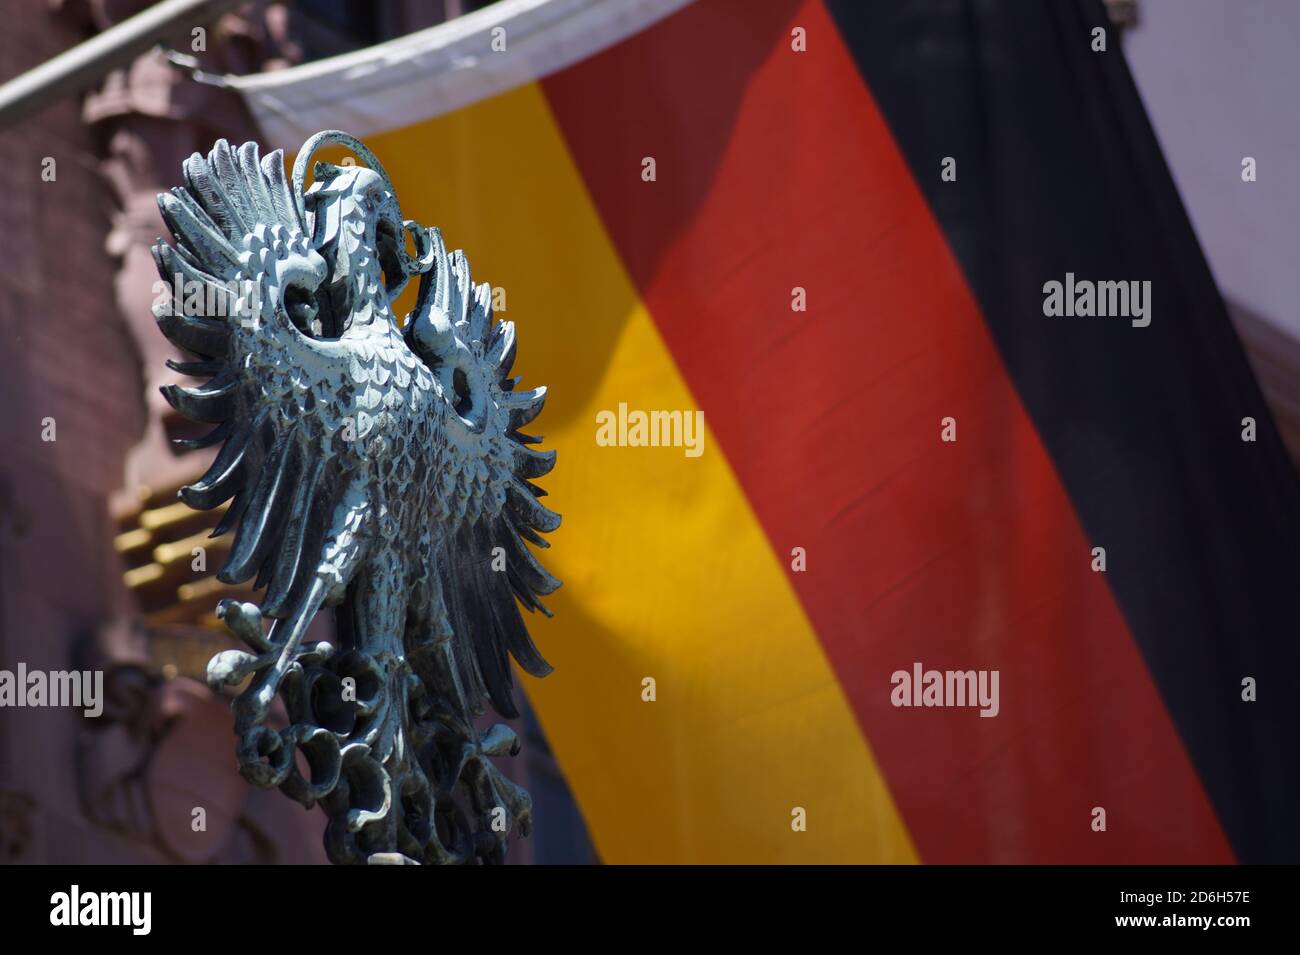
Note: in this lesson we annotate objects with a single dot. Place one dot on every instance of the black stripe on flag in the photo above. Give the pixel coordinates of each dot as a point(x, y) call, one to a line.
point(1059, 171)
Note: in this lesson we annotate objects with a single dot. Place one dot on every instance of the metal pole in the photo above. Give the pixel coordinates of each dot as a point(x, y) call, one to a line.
point(87, 63)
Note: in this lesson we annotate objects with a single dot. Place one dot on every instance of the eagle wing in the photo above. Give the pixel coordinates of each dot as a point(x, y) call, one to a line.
point(486, 490)
point(241, 274)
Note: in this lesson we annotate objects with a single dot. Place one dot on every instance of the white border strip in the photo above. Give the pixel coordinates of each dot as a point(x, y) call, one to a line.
point(441, 69)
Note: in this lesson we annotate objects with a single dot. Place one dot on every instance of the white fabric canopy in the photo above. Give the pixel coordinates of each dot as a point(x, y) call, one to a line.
point(440, 69)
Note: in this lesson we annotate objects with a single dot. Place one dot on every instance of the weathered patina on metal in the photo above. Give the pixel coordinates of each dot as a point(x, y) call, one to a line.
point(374, 469)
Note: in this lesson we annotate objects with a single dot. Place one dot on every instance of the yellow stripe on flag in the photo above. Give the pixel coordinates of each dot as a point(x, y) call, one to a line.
point(667, 572)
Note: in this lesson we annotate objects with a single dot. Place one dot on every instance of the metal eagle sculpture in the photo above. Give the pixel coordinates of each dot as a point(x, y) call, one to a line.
point(375, 469)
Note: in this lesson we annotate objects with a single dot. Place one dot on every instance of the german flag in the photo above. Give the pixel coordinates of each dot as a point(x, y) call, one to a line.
point(834, 228)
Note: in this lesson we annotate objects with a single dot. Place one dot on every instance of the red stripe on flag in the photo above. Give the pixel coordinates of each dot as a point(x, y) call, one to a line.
point(775, 170)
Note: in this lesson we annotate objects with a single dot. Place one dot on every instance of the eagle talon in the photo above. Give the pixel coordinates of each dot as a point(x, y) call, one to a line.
point(244, 620)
